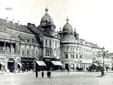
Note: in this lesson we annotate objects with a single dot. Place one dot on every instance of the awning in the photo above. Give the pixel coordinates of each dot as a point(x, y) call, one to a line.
point(40, 63)
point(19, 64)
point(2, 63)
point(95, 64)
point(57, 63)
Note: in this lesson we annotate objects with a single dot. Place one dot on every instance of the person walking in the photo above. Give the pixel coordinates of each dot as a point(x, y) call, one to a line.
point(42, 74)
point(102, 71)
point(36, 70)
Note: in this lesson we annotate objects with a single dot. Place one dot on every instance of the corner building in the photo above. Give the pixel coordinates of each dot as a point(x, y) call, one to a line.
point(76, 53)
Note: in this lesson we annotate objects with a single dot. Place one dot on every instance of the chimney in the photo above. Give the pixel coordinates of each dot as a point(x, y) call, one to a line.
point(18, 22)
point(28, 24)
point(7, 19)
point(13, 21)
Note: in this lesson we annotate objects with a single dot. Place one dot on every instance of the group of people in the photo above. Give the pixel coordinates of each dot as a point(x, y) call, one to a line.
point(42, 74)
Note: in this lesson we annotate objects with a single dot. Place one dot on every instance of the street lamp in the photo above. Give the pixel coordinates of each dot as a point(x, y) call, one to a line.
point(104, 54)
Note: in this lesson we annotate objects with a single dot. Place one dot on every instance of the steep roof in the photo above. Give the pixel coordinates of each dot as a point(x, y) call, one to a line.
point(14, 26)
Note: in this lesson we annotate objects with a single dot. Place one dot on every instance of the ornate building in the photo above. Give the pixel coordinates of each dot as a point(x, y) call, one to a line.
point(18, 46)
point(75, 52)
point(21, 45)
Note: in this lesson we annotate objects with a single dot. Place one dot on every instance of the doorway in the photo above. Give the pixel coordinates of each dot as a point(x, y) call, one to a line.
point(11, 63)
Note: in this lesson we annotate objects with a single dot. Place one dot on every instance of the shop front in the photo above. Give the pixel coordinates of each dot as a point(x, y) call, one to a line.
point(27, 63)
point(52, 63)
point(40, 65)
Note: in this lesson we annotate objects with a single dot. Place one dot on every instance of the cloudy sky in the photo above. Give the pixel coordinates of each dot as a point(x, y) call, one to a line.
point(93, 19)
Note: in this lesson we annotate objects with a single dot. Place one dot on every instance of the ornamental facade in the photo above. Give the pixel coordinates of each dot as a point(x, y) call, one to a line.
point(21, 45)
point(76, 53)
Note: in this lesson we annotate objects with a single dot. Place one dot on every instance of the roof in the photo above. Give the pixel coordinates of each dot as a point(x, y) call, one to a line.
point(46, 19)
point(47, 34)
point(67, 27)
point(14, 26)
point(69, 38)
point(83, 42)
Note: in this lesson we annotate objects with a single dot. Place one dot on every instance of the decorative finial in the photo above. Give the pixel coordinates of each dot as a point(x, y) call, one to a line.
point(74, 29)
point(60, 28)
point(46, 9)
point(67, 19)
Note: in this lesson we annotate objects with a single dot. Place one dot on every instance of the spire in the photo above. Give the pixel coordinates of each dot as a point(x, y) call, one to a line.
point(46, 9)
point(74, 29)
point(67, 19)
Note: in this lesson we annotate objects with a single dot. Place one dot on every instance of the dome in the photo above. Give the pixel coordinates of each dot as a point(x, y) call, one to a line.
point(68, 39)
point(46, 20)
point(67, 27)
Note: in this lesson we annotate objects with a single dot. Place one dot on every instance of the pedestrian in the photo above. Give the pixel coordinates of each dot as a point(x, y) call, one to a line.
point(102, 71)
point(36, 73)
point(68, 70)
point(36, 70)
point(42, 74)
point(48, 74)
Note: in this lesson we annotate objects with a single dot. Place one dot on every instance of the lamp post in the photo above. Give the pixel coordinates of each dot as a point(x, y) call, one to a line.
point(104, 53)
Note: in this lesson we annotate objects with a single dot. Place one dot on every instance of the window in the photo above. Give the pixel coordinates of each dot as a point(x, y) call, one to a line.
point(72, 56)
point(46, 42)
point(80, 56)
point(46, 52)
point(32, 52)
point(23, 52)
point(66, 48)
point(49, 43)
point(50, 52)
point(27, 52)
point(66, 56)
point(76, 56)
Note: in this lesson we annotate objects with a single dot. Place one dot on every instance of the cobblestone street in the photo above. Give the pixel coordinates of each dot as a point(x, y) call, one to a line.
point(58, 78)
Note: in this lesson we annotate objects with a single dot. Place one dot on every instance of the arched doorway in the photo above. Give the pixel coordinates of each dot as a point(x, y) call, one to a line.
point(11, 63)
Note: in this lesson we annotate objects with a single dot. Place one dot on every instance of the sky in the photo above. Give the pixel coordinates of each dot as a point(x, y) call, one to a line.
point(93, 19)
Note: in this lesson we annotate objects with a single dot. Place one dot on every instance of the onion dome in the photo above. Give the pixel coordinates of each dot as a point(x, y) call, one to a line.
point(46, 20)
point(67, 27)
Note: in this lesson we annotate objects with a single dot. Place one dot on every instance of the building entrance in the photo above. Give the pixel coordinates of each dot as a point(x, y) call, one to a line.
point(66, 66)
point(11, 63)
